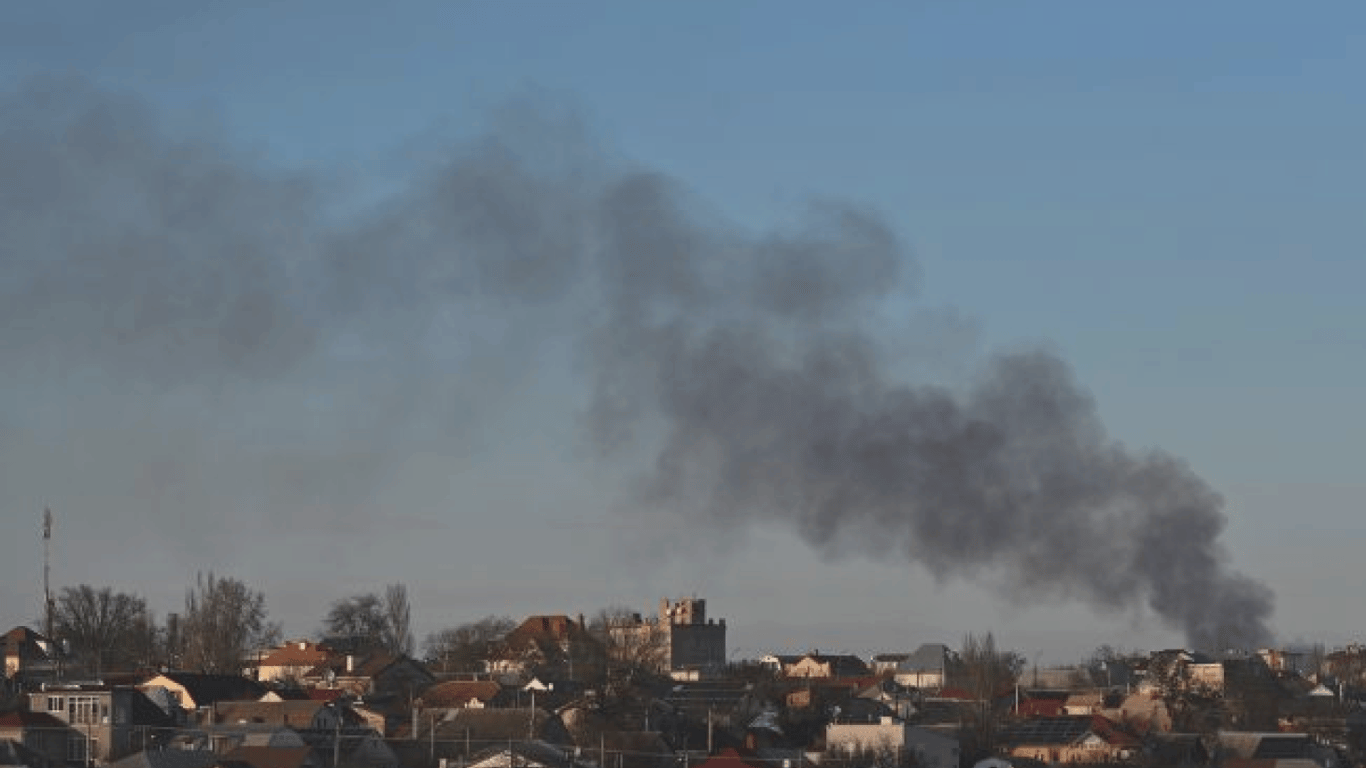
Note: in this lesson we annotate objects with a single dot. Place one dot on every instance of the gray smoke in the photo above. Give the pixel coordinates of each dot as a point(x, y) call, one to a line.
point(756, 371)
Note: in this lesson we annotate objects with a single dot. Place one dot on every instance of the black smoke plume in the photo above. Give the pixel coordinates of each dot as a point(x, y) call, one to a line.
point(191, 284)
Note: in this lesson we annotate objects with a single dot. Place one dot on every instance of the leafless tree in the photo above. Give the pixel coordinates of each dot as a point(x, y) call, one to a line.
point(358, 620)
point(986, 673)
point(632, 643)
point(371, 621)
point(100, 625)
point(464, 648)
point(398, 620)
point(224, 619)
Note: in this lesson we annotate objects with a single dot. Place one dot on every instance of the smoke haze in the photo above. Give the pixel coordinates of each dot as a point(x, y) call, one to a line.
point(193, 289)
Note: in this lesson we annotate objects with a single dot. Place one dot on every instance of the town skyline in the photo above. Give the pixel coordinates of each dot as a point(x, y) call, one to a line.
point(516, 308)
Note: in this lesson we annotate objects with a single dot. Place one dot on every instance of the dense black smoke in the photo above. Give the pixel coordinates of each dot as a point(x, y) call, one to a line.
point(755, 370)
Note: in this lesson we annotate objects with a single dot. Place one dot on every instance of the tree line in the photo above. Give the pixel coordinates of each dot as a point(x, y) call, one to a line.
point(224, 622)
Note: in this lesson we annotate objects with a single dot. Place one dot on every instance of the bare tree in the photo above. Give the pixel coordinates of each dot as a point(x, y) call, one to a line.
point(224, 619)
point(371, 621)
point(398, 620)
point(100, 625)
point(632, 643)
point(359, 620)
point(465, 648)
point(986, 673)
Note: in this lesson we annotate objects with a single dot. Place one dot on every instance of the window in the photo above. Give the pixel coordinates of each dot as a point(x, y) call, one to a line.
point(82, 710)
point(56, 704)
point(76, 749)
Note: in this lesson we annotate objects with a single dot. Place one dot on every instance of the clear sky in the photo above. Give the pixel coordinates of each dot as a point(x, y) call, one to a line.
point(1167, 196)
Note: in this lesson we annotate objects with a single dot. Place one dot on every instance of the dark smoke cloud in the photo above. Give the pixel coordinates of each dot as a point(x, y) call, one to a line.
point(193, 286)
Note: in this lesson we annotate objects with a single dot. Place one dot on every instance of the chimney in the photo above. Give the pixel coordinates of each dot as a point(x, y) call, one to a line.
point(350, 663)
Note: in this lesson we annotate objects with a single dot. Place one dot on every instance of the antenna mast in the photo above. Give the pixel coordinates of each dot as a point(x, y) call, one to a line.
point(47, 572)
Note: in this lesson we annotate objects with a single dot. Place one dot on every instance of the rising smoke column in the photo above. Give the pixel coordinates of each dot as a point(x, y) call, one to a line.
point(764, 362)
point(251, 345)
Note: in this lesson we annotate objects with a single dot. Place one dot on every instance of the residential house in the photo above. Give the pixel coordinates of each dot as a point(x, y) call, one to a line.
point(291, 661)
point(550, 643)
point(168, 758)
point(1241, 749)
point(1088, 703)
point(897, 741)
point(1141, 713)
point(222, 738)
point(38, 732)
point(734, 758)
point(596, 738)
point(926, 668)
point(371, 674)
point(527, 754)
point(891, 694)
point(30, 656)
point(777, 662)
point(1068, 739)
point(458, 694)
point(817, 664)
point(108, 722)
point(271, 757)
point(294, 714)
point(195, 691)
point(13, 754)
point(457, 734)
point(887, 662)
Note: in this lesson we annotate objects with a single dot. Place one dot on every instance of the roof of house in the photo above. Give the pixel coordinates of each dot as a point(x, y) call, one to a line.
point(367, 665)
point(267, 757)
point(13, 753)
point(168, 758)
point(526, 752)
point(293, 713)
point(733, 758)
point(1063, 730)
point(542, 628)
point(22, 718)
point(454, 693)
point(929, 657)
point(482, 725)
point(296, 653)
point(207, 688)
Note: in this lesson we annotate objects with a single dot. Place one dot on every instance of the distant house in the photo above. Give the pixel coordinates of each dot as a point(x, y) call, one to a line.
point(887, 662)
point(458, 734)
point(291, 661)
point(457, 694)
point(109, 721)
point(377, 672)
point(1239, 749)
point(29, 655)
point(903, 742)
point(305, 714)
point(1086, 739)
point(192, 691)
point(271, 757)
point(734, 758)
point(39, 732)
point(1083, 703)
point(549, 642)
point(927, 668)
point(167, 758)
point(817, 664)
point(526, 754)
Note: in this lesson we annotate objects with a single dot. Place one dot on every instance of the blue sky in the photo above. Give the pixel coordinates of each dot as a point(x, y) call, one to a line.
point(1169, 196)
